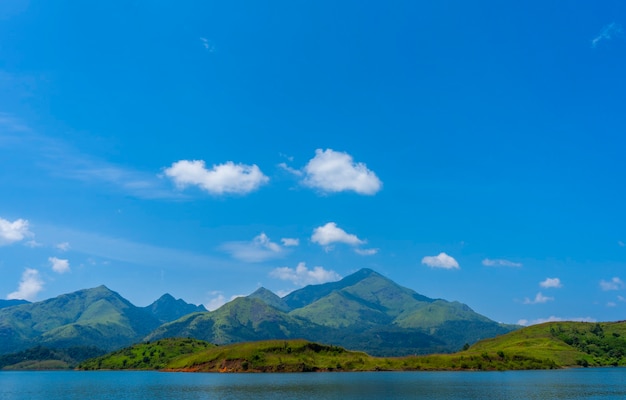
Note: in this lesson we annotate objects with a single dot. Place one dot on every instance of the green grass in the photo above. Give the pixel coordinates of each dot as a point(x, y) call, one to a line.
point(146, 356)
point(546, 346)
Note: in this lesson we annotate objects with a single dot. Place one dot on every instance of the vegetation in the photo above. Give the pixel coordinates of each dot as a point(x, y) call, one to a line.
point(149, 355)
point(43, 358)
point(364, 311)
point(547, 346)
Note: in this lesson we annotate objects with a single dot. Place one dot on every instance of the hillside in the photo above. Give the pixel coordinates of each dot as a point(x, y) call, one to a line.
point(146, 356)
point(364, 311)
point(91, 317)
point(547, 346)
point(167, 308)
point(96, 317)
point(43, 358)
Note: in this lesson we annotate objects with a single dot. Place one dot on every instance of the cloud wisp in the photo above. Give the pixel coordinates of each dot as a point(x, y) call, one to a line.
point(227, 178)
point(614, 284)
point(61, 160)
point(333, 171)
point(487, 262)
point(608, 32)
point(30, 285)
point(442, 261)
point(301, 275)
point(259, 249)
point(12, 232)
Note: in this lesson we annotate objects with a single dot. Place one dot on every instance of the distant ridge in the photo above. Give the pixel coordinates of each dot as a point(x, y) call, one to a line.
point(11, 303)
point(97, 317)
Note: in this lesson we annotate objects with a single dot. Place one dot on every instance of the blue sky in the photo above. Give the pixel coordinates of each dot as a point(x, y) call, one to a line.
point(471, 151)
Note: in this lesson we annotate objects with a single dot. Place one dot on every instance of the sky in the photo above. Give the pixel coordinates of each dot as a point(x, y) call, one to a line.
point(470, 151)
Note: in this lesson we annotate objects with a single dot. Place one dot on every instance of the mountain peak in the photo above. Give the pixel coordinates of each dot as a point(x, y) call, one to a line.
point(309, 294)
point(270, 298)
point(166, 308)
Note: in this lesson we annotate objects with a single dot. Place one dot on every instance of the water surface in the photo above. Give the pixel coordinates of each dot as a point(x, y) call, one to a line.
point(515, 385)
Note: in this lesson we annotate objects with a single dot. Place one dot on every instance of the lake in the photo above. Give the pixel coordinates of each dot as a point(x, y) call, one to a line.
point(593, 383)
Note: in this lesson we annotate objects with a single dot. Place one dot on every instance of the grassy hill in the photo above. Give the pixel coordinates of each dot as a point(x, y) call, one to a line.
point(149, 355)
point(547, 346)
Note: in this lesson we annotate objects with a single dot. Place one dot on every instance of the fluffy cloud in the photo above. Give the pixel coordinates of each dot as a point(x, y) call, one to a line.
point(441, 261)
point(261, 248)
point(30, 284)
point(227, 178)
point(551, 283)
point(614, 284)
point(290, 242)
point(500, 263)
point(539, 299)
point(11, 232)
point(328, 234)
point(59, 266)
point(333, 171)
point(301, 275)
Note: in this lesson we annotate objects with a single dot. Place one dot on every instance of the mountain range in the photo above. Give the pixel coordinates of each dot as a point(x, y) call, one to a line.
point(364, 311)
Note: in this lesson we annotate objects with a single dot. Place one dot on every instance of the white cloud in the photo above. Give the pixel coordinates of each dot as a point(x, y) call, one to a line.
point(614, 284)
point(227, 178)
point(301, 275)
point(59, 265)
point(608, 32)
point(11, 232)
point(290, 242)
point(366, 252)
point(216, 301)
point(553, 318)
point(551, 283)
point(65, 246)
point(441, 261)
point(29, 286)
point(330, 233)
point(261, 248)
point(333, 171)
point(500, 263)
point(539, 299)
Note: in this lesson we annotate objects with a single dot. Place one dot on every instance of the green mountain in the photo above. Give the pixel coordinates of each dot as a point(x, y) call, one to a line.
point(243, 319)
point(364, 311)
point(167, 308)
point(91, 317)
point(270, 298)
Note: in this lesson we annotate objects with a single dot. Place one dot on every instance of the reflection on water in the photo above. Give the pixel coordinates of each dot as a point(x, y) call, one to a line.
point(513, 385)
